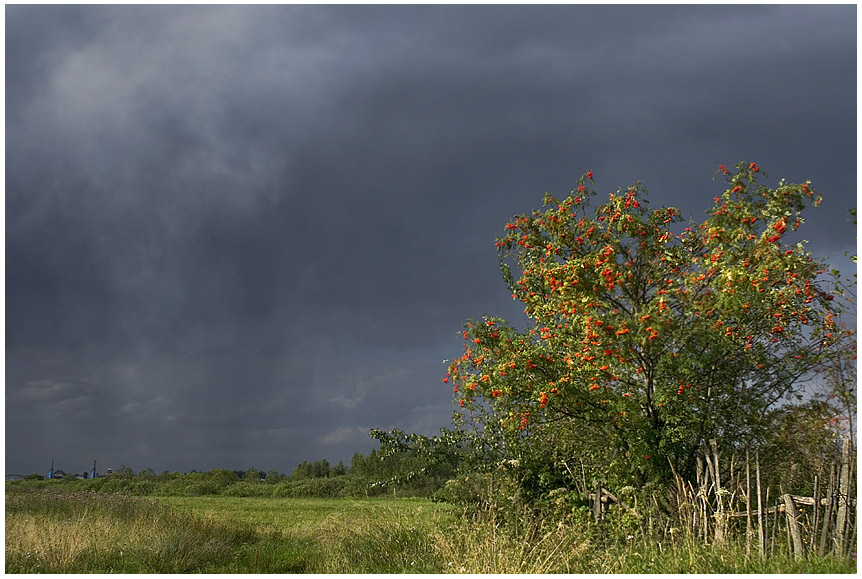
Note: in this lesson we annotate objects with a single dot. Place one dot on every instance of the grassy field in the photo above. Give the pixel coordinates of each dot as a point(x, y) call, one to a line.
point(55, 531)
point(327, 535)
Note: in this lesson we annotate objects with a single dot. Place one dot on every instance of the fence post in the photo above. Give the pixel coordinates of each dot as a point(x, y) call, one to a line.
point(720, 519)
point(793, 525)
point(816, 511)
point(843, 495)
point(827, 515)
point(774, 527)
point(597, 501)
point(761, 537)
point(702, 491)
point(747, 503)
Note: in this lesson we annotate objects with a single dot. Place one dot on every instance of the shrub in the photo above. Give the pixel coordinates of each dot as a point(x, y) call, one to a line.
point(248, 489)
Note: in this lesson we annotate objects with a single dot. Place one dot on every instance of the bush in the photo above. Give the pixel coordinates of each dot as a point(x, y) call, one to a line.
point(203, 488)
point(142, 488)
point(249, 489)
point(324, 488)
point(460, 491)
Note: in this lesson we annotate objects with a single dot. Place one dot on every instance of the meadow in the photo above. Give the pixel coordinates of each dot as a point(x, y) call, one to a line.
point(55, 530)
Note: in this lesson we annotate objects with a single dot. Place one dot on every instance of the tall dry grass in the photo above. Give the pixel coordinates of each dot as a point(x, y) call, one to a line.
point(481, 543)
point(81, 532)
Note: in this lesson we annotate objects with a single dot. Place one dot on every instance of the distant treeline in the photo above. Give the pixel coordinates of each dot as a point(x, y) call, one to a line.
point(368, 475)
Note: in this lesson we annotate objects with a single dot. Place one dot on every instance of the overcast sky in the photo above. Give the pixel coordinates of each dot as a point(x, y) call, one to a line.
point(245, 236)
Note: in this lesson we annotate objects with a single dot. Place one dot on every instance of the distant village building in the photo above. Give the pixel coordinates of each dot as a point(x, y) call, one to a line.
point(58, 473)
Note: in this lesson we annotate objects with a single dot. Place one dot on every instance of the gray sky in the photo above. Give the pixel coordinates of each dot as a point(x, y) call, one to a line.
point(244, 236)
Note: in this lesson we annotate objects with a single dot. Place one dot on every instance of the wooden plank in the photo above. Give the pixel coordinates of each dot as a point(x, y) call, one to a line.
point(782, 508)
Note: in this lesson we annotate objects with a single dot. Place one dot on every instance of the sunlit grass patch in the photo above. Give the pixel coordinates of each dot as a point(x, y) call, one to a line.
point(61, 532)
point(338, 535)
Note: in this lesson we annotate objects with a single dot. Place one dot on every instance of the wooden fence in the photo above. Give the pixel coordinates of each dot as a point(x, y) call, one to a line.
point(711, 508)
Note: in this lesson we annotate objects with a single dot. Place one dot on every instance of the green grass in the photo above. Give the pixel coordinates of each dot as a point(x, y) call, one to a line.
point(690, 556)
point(54, 531)
point(329, 535)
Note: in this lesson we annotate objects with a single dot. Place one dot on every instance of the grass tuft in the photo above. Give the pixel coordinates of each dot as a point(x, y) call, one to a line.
point(481, 544)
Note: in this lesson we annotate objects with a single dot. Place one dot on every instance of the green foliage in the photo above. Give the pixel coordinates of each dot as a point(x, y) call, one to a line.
point(324, 488)
point(272, 477)
point(339, 469)
point(464, 491)
point(648, 336)
point(307, 470)
point(416, 463)
point(247, 488)
point(124, 472)
point(252, 474)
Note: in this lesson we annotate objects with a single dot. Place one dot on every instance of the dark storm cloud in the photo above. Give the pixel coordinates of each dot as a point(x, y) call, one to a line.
point(247, 235)
point(71, 397)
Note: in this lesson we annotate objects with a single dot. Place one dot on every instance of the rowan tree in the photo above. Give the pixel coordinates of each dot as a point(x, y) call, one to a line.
point(648, 335)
